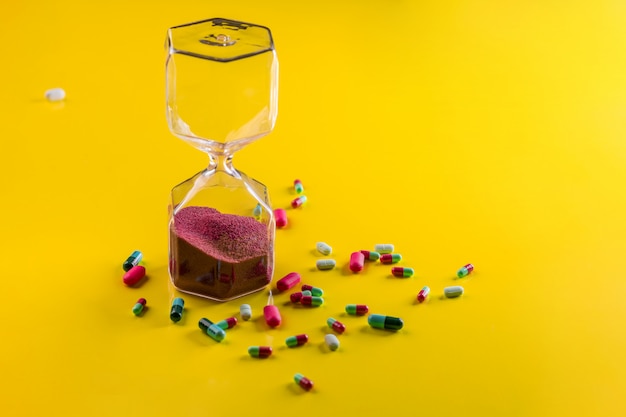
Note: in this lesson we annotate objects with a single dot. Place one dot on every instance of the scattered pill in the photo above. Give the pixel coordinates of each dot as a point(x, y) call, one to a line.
point(134, 275)
point(325, 264)
point(465, 271)
point(383, 248)
point(357, 309)
point(245, 311)
point(423, 294)
point(390, 258)
point(318, 292)
point(297, 202)
point(453, 292)
point(297, 340)
point(138, 307)
point(55, 94)
point(297, 184)
point(305, 383)
point(309, 300)
point(336, 325)
point(401, 272)
point(176, 313)
point(288, 281)
point(306, 293)
point(370, 256)
point(331, 341)
point(212, 329)
point(133, 260)
point(324, 248)
point(356, 261)
point(296, 297)
point(281, 217)
point(260, 351)
point(379, 321)
point(258, 210)
point(271, 313)
point(226, 324)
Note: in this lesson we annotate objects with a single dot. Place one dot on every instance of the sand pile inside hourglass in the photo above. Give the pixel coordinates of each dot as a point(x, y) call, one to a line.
point(219, 255)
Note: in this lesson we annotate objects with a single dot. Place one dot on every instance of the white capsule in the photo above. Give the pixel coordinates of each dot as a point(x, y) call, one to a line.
point(324, 248)
point(331, 341)
point(383, 248)
point(325, 264)
point(246, 312)
point(453, 292)
point(55, 94)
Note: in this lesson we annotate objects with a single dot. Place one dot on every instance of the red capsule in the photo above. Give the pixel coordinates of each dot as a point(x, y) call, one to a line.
point(134, 275)
point(356, 261)
point(336, 325)
point(281, 217)
point(260, 351)
point(288, 281)
point(231, 322)
point(304, 382)
point(421, 296)
point(295, 297)
point(297, 340)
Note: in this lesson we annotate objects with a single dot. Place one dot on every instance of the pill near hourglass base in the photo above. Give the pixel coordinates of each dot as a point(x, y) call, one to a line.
point(258, 210)
point(245, 311)
point(55, 94)
point(132, 260)
point(176, 313)
point(288, 281)
point(356, 261)
point(134, 275)
point(324, 248)
point(453, 292)
point(325, 264)
point(281, 217)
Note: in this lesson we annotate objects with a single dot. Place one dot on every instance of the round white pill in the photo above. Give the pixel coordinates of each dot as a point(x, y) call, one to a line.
point(331, 341)
point(55, 94)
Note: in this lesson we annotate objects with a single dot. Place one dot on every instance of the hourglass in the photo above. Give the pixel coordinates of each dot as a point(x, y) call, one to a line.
point(222, 91)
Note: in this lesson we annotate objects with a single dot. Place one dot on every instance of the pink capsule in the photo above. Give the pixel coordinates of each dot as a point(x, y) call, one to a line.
point(421, 296)
point(288, 281)
point(356, 261)
point(271, 313)
point(281, 217)
point(134, 275)
point(297, 202)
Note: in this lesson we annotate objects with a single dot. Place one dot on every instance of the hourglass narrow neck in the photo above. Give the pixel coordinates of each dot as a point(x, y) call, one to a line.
point(221, 162)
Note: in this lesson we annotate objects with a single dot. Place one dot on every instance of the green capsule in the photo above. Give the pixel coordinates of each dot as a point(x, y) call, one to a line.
point(211, 329)
point(370, 256)
point(307, 292)
point(390, 258)
point(317, 292)
point(308, 300)
point(138, 307)
point(402, 272)
point(176, 313)
point(260, 351)
point(357, 309)
point(465, 271)
point(297, 340)
point(379, 321)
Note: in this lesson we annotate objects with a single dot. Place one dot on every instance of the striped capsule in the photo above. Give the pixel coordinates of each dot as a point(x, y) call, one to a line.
point(305, 383)
point(453, 292)
point(297, 185)
point(383, 248)
point(378, 321)
point(423, 294)
point(465, 270)
point(402, 272)
point(318, 292)
point(133, 260)
point(260, 351)
point(245, 311)
point(134, 275)
point(297, 340)
point(324, 248)
point(331, 341)
point(357, 309)
point(258, 210)
point(390, 258)
point(288, 281)
point(309, 300)
point(176, 313)
point(299, 201)
point(325, 264)
point(370, 255)
point(281, 217)
point(138, 307)
point(356, 261)
point(227, 323)
point(210, 328)
point(336, 325)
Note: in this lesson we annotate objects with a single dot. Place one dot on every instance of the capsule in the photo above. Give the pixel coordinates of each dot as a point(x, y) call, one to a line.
point(305, 383)
point(423, 294)
point(331, 341)
point(453, 292)
point(336, 325)
point(258, 210)
point(401, 272)
point(176, 313)
point(138, 307)
point(297, 202)
point(134, 275)
point(271, 313)
point(281, 217)
point(390, 258)
point(133, 260)
point(357, 309)
point(379, 321)
point(260, 351)
point(297, 340)
point(296, 297)
point(370, 255)
point(465, 271)
point(212, 329)
point(226, 324)
point(383, 248)
point(318, 292)
point(325, 264)
point(356, 261)
point(297, 184)
point(324, 248)
point(55, 94)
point(308, 300)
point(288, 281)
point(245, 311)
point(306, 293)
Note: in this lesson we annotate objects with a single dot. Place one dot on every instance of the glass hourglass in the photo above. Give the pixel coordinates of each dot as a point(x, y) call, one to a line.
point(222, 91)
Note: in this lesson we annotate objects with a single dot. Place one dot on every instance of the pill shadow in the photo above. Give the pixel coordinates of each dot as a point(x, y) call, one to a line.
point(143, 311)
point(295, 389)
point(248, 358)
point(378, 332)
point(346, 271)
point(140, 283)
point(199, 338)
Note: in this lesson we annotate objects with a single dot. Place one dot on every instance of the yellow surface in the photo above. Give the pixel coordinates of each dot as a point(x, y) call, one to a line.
point(462, 131)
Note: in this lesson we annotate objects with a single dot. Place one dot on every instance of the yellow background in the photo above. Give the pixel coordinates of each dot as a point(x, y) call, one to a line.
point(489, 132)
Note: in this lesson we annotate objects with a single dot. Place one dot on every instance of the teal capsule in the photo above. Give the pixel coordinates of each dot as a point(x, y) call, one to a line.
point(453, 292)
point(325, 264)
point(324, 248)
point(318, 292)
point(211, 329)
point(379, 321)
point(370, 256)
point(133, 260)
point(297, 184)
point(258, 210)
point(465, 271)
point(176, 313)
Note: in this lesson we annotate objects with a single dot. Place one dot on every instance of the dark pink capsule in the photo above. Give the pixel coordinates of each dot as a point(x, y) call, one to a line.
point(134, 275)
point(288, 281)
point(356, 261)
